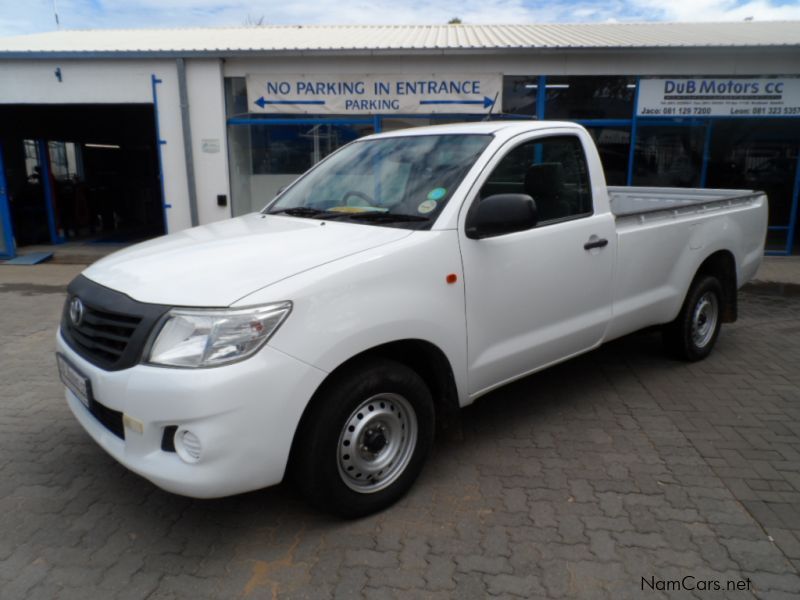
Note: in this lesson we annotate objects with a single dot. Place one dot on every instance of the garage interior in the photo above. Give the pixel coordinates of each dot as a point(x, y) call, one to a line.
point(97, 166)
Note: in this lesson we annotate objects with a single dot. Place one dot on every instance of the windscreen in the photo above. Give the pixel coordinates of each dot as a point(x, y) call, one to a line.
point(394, 181)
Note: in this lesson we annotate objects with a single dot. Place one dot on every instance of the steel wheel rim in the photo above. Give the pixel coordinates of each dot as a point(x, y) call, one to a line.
point(704, 319)
point(377, 442)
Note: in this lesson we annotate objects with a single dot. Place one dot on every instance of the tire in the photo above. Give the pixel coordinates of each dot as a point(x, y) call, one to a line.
point(364, 439)
point(692, 335)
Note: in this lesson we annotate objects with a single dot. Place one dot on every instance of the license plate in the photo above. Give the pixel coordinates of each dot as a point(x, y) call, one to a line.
point(77, 383)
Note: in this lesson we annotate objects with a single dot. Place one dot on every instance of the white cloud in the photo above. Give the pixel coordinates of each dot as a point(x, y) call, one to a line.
point(30, 16)
point(718, 10)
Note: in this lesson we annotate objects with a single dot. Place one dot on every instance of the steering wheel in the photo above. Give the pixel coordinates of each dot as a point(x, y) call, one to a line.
point(357, 194)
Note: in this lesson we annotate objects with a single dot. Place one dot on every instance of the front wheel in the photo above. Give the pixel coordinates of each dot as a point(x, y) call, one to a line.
point(365, 438)
point(692, 335)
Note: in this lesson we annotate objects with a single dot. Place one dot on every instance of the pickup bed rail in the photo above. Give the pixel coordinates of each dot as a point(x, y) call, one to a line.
point(634, 201)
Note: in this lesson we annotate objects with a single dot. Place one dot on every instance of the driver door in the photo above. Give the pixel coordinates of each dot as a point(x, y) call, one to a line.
point(537, 296)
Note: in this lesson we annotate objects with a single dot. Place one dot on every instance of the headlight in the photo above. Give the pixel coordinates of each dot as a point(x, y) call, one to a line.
point(209, 338)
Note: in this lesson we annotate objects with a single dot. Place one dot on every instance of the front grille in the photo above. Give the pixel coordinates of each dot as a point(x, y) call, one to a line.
point(114, 329)
point(103, 335)
point(112, 419)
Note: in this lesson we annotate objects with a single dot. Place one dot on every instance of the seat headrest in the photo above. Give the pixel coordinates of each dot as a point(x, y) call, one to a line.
point(544, 180)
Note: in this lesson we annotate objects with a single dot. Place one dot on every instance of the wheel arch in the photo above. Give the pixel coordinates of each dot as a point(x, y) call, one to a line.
point(722, 265)
point(424, 358)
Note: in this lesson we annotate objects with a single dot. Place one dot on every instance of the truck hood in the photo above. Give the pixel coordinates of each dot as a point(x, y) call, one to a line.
point(216, 265)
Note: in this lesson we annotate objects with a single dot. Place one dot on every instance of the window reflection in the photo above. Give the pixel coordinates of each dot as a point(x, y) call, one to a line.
point(519, 94)
point(756, 155)
point(669, 156)
point(589, 97)
point(613, 144)
point(760, 155)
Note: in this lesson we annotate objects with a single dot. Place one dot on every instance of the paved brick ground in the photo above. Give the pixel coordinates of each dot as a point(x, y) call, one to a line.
point(577, 482)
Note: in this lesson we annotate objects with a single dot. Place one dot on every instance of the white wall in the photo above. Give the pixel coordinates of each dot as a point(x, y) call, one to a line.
point(111, 82)
point(35, 82)
point(207, 118)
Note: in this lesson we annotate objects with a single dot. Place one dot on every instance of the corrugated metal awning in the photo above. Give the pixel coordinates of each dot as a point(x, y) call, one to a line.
point(387, 38)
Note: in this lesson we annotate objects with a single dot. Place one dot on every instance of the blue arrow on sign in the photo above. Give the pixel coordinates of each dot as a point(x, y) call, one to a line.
point(487, 102)
point(262, 102)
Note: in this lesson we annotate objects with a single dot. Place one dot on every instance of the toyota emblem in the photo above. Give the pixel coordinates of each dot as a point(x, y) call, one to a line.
point(76, 311)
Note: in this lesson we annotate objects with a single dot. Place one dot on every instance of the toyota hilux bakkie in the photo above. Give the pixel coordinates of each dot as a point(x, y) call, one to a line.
point(404, 276)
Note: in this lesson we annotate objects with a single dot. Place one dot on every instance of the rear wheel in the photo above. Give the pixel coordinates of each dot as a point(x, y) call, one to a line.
point(365, 438)
point(692, 335)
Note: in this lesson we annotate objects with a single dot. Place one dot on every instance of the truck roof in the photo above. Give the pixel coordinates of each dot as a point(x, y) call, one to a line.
point(480, 127)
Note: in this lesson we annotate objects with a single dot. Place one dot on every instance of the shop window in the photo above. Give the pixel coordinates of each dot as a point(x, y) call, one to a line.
point(235, 96)
point(613, 144)
point(406, 122)
point(295, 148)
point(31, 159)
point(760, 155)
point(519, 94)
point(64, 160)
point(669, 156)
point(585, 97)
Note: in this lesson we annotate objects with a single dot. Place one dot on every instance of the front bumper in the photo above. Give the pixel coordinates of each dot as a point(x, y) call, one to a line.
point(245, 415)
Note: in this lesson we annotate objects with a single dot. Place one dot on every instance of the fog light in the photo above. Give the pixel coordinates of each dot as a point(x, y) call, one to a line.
point(188, 446)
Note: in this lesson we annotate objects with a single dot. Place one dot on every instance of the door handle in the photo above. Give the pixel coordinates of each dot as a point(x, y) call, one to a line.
point(595, 243)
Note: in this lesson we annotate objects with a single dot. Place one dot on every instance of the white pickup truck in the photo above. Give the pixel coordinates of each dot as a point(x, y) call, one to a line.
point(330, 335)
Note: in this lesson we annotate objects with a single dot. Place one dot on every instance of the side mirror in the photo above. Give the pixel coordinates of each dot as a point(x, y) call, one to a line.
point(502, 213)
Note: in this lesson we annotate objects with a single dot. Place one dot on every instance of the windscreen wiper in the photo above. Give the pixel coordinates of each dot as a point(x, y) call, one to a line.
point(367, 216)
point(304, 211)
point(384, 217)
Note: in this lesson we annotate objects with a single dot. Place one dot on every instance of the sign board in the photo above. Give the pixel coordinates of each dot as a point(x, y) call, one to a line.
point(374, 94)
point(719, 97)
point(210, 145)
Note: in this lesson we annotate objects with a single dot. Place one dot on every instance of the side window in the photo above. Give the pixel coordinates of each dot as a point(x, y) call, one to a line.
point(552, 171)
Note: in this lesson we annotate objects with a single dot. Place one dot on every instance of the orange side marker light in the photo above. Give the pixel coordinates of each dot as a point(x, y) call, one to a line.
point(451, 278)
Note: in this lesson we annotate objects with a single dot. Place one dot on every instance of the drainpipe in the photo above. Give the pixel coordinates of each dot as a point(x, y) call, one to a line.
point(187, 141)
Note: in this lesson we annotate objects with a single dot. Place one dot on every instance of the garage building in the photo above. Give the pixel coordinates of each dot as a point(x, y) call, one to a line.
point(117, 136)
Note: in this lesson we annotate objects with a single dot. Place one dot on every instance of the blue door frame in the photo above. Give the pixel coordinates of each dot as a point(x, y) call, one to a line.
point(49, 193)
point(154, 83)
point(7, 246)
point(376, 121)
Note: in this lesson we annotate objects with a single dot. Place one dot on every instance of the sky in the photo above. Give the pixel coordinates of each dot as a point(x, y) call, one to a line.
point(33, 16)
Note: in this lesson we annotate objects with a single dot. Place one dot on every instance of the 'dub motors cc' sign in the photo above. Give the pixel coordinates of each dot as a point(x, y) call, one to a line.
point(719, 97)
point(374, 94)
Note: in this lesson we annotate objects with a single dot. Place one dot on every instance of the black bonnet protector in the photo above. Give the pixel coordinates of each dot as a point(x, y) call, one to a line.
point(111, 329)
